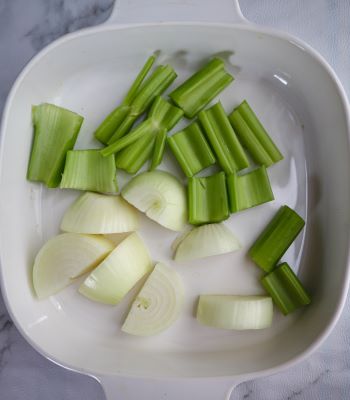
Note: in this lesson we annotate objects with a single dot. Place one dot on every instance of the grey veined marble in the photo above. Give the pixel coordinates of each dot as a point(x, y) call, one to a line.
point(26, 26)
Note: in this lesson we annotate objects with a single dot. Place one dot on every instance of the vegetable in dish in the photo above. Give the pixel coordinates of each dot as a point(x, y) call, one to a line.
point(235, 312)
point(276, 238)
point(160, 196)
point(64, 258)
point(253, 135)
point(100, 214)
point(198, 90)
point(119, 272)
point(207, 199)
point(191, 149)
point(157, 305)
point(89, 170)
point(222, 138)
point(55, 132)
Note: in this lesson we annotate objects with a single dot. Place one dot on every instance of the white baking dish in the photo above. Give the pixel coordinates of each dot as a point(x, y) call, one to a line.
point(303, 105)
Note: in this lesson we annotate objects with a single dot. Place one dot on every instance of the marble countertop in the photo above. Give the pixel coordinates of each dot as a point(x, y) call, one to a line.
point(25, 28)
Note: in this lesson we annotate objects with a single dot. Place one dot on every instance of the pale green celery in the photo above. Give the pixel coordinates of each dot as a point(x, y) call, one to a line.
point(248, 190)
point(191, 149)
point(276, 238)
point(120, 115)
point(254, 136)
point(285, 289)
point(154, 86)
point(223, 140)
point(159, 147)
point(198, 90)
point(132, 158)
point(207, 199)
point(162, 117)
point(55, 132)
point(89, 170)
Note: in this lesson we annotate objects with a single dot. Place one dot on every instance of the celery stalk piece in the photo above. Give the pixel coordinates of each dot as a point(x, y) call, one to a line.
point(135, 147)
point(132, 158)
point(55, 132)
point(89, 170)
point(223, 140)
point(154, 86)
point(118, 115)
point(159, 147)
point(248, 190)
point(285, 289)
point(162, 116)
point(254, 136)
point(191, 149)
point(207, 199)
point(198, 90)
point(275, 239)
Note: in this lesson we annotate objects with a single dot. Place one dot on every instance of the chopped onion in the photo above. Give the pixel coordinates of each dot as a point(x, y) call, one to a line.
point(235, 312)
point(204, 241)
point(157, 305)
point(64, 258)
point(160, 196)
point(100, 214)
point(119, 272)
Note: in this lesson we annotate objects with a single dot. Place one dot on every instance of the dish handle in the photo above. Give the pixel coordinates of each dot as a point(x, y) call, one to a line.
point(125, 388)
point(146, 11)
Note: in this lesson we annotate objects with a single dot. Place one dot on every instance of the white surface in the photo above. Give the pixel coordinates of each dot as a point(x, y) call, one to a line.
point(312, 376)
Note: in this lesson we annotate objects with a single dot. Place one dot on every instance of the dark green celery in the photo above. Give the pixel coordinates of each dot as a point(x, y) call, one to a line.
point(162, 117)
point(276, 238)
point(207, 199)
point(55, 132)
point(191, 149)
point(88, 170)
point(138, 99)
point(132, 158)
point(198, 90)
point(254, 136)
point(285, 289)
point(223, 140)
point(248, 190)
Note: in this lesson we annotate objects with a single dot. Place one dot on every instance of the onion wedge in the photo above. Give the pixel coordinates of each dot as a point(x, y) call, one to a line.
point(204, 241)
point(119, 272)
point(157, 305)
point(64, 258)
point(160, 196)
point(235, 312)
point(100, 214)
